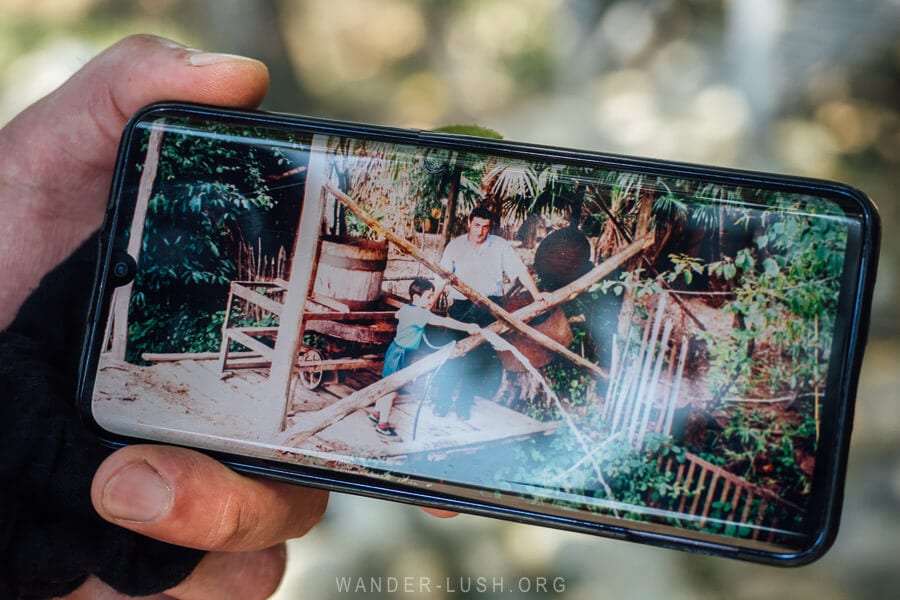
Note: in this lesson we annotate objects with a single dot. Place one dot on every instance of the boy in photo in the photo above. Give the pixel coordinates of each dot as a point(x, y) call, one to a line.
point(411, 321)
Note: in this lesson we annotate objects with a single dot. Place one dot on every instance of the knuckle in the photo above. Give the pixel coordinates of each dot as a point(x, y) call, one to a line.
point(229, 528)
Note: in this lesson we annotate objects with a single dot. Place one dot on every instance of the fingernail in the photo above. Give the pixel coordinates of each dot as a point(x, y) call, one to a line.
point(137, 493)
point(203, 59)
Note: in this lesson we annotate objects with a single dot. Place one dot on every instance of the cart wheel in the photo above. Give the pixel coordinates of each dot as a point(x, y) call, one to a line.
point(310, 379)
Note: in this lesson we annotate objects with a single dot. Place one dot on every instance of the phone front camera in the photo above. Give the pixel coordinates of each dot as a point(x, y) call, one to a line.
point(122, 269)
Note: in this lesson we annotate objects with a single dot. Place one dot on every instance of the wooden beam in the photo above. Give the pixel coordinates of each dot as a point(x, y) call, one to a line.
point(316, 421)
point(248, 342)
point(157, 357)
point(122, 296)
point(300, 282)
point(245, 292)
point(339, 364)
point(465, 289)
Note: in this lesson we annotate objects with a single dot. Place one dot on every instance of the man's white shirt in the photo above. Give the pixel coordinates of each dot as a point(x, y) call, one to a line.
point(482, 267)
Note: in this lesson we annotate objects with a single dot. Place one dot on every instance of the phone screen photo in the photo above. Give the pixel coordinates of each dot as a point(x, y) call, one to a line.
point(630, 348)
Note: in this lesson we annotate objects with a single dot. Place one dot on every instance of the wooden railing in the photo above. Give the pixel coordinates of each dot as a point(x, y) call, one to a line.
point(709, 492)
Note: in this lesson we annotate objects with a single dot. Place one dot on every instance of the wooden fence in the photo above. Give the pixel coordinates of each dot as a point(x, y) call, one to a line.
point(645, 383)
point(709, 493)
point(642, 397)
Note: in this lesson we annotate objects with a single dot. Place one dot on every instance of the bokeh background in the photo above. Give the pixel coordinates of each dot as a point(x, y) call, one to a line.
point(806, 87)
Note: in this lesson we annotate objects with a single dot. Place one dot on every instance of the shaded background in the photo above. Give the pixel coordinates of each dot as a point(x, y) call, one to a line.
point(806, 87)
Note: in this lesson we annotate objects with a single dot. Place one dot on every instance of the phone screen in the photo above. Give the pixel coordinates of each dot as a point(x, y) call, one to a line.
point(591, 342)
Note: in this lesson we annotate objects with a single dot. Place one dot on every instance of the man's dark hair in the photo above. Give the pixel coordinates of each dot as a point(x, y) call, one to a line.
point(419, 286)
point(482, 213)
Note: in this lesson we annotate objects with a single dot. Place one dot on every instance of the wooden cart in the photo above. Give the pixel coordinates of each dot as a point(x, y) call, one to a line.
point(353, 339)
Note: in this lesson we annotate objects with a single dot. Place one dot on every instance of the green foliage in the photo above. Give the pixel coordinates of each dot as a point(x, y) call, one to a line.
point(759, 445)
point(474, 130)
point(205, 185)
point(785, 288)
point(180, 330)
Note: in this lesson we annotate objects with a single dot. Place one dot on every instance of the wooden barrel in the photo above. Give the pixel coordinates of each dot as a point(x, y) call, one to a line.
point(351, 271)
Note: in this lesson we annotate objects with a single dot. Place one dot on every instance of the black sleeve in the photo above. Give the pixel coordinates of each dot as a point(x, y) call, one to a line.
point(51, 538)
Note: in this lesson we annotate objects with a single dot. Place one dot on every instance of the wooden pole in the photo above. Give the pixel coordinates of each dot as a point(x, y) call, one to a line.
point(316, 421)
point(676, 388)
point(465, 289)
point(650, 396)
point(452, 201)
point(641, 402)
point(122, 296)
point(300, 282)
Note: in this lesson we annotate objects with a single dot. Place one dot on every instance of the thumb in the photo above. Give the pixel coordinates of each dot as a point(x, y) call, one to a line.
point(57, 156)
point(140, 70)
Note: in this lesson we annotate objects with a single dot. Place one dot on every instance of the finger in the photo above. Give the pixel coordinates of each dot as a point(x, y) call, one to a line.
point(57, 157)
point(189, 499)
point(88, 112)
point(245, 575)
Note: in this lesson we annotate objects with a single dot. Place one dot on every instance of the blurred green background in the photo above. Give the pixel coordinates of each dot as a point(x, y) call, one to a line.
point(806, 87)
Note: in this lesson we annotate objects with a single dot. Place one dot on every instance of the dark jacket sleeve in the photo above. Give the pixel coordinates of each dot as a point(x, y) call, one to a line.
point(51, 538)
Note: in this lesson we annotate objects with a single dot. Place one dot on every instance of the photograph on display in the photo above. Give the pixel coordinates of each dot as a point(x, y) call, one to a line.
point(586, 342)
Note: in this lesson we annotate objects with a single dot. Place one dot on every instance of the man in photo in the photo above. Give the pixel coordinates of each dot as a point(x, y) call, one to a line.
point(481, 260)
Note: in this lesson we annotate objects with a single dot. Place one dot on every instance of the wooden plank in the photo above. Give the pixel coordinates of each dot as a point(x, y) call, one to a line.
point(122, 296)
point(253, 331)
point(698, 491)
point(254, 297)
point(352, 333)
point(394, 300)
point(688, 483)
point(329, 303)
point(248, 342)
point(364, 316)
point(224, 344)
point(343, 364)
point(489, 424)
point(362, 398)
point(300, 282)
point(237, 389)
point(338, 389)
point(710, 495)
point(760, 516)
point(176, 356)
point(735, 502)
point(465, 289)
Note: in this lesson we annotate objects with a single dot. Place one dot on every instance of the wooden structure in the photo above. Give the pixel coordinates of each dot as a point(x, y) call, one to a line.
point(710, 493)
point(638, 401)
point(322, 315)
point(182, 399)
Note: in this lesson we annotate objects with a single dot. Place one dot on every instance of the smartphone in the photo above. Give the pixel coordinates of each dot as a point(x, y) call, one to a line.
point(644, 350)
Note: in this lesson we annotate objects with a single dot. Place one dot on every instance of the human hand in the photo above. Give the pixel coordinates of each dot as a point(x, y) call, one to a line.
point(56, 163)
point(189, 499)
point(57, 156)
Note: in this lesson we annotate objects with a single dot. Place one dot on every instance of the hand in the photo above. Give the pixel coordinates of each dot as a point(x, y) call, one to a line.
point(189, 499)
point(57, 156)
point(56, 163)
